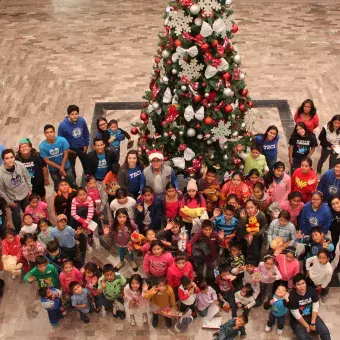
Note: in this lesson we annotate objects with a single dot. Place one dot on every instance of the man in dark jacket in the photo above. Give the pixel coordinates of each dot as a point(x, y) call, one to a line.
point(100, 161)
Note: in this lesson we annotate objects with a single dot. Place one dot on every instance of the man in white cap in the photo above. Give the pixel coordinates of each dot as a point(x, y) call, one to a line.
point(157, 175)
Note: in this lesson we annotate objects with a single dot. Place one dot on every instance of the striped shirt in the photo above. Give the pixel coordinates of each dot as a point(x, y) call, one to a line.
point(77, 204)
point(288, 232)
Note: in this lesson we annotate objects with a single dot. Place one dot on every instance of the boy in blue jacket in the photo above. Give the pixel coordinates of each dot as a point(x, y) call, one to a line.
point(329, 183)
point(116, 137)
point(74, 129)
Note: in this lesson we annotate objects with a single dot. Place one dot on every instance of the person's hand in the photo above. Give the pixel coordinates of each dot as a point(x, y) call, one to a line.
point(179, 192)
point(154, 290)
point(29, 193)
point(220, 297)
point(111, 139)
point(311, 327)
point(85, 148)
point(271, 301)
point(139, 208)
point(235, 328)
point(9, 225)
point(46, 182)
point(271, 274)
point(145, 287)
point(221, 234)
point(308, 328)
point(13, 205)
point(31, 279)
point(325, 245)
point(62, 172)
point(290, 161)
point(216, 212)
point(82, 270)
point(169, 226)
point(312, 181)
point(243, 213)
point(216, 303)
point(246, 307)
point(104, 284)
point(239, 304)
point(239, 148)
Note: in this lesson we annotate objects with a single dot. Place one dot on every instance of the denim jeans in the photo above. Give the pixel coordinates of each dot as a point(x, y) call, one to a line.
point(72, 157)
point(280, 321)
point(301, 332)
point(124, 251)
point(56, 177)
point(83, 316)
point(16, 218)
point(54, 315)
point(230, 298)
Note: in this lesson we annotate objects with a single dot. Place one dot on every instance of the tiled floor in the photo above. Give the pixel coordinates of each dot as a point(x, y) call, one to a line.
point(54, 53)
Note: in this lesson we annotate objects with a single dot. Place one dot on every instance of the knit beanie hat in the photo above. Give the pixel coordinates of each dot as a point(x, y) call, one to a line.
point(192, 185)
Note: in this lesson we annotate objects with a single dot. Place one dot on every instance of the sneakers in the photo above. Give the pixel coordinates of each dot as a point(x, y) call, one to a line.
point(86, 320)
point(134, 265)
point(168, 322)
point(194, 315)
point(114, 312)
point(267, 329)
point(63, 311)
point(145, 318)
point(55, 325)
point(121, 314)
point(119, 266)
point(154, 320)
point(279, 332)
point(132, 320)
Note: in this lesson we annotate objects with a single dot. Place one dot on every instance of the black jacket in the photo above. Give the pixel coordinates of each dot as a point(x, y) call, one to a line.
point(92, 161)
point(156, 214)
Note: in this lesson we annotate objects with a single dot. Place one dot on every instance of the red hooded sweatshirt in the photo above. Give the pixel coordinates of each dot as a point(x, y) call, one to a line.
point(175, 274)
point(157, 265)
point(13, 248)
point(300, 183)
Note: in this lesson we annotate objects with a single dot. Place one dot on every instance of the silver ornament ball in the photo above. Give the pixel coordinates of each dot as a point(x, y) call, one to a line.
point(235, 134)
point(195, 9)
point(174, 71)
point(228, 92)
point(198, 21)
point(209, 141)
point(165, 54)
point(206, 95)
point(181, 133)
point(243, 125)
point(191, 132)
point(183, 88)
point(165, 134)
point(242, 76)
point(225, 147)
point(225, 157)
point(155, 105)
point(165, 79)
point(237, 59)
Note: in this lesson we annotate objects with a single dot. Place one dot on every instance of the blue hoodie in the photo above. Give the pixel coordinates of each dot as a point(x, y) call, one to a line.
point(309, 218)
point(77, 134)
point(329, 185)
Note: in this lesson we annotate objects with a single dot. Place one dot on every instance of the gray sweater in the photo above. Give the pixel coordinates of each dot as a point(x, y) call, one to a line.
point(14, 186)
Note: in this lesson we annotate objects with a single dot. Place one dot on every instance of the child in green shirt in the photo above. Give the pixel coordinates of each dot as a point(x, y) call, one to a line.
point(45, 274)
point(253, 160)
point(112, 284)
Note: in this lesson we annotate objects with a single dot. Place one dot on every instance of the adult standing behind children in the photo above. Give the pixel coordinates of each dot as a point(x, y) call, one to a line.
point(74, 129)
point(157, 175)
point(329, 183)
point(35, 166)
point(54, 151)
point(15, 185)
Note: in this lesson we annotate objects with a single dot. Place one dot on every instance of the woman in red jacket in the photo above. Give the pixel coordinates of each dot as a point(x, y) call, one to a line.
point(304, 179)
point(307, 113)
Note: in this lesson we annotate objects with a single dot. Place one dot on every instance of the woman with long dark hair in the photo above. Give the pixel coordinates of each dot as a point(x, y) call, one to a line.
point(306, 113)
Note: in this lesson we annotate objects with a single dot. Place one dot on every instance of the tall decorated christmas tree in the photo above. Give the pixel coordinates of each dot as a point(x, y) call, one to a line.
point(198, 99)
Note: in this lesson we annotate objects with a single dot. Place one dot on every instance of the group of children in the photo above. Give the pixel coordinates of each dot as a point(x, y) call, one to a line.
point(219, 247)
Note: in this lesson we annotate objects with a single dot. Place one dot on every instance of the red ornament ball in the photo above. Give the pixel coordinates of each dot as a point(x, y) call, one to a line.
point(200, 157)
point(231, 48)
point(178, 43)
point(228, 108)
point(134, 131)
point(204, 84)
point(144, 116)
point(197, 98)
point(214, 43)
point(163, 123)
point(170, 133)
point(205, 46)
point(197, 126)
point(143, 147)
point(244, 92)
point(251, 104)
point(226, 76)
point(235, 28)
point(208, 121)
point(242, 107)
point(169, 62)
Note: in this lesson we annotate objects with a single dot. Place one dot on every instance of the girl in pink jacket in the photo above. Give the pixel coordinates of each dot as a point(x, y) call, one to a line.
point(288, 266)
point(156, 262)
point(69, 273)
point(278, 183)
point(180, 267)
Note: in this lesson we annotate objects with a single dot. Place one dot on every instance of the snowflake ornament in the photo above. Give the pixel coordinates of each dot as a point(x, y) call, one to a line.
point(228, 24)
point(191, 70)
point(209, 6)
point(182, 182)
point(179, 21)
point(221, 131)
point(151, 128)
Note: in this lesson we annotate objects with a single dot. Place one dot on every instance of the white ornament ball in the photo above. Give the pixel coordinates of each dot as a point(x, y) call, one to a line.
point(181, 133)
point(183, 88)
point(165, 79)
point(198, 21)
point(174, 71)
point(155, 105)
point(237, 59)
point(191, 132)
point(242, 76)
point(241, 166)
point(165, 134)
point(243, 125)
point(195, 9)
point(225, 157)
point(225, 147)
point(232, 116)
point(165, 54)
point(235, 134)
point(209, 141)
point(228, 92)
point(206, 95)
point(199, 136)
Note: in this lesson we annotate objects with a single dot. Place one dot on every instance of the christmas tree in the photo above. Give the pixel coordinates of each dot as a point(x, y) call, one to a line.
point(198, 99)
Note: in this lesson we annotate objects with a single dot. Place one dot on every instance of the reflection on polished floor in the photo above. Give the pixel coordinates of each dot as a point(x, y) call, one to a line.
point(57, 52)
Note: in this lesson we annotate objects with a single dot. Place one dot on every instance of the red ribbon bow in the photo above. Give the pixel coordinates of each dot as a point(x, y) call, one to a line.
point(198, 38)
point(213, 61)
point(186, 80)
